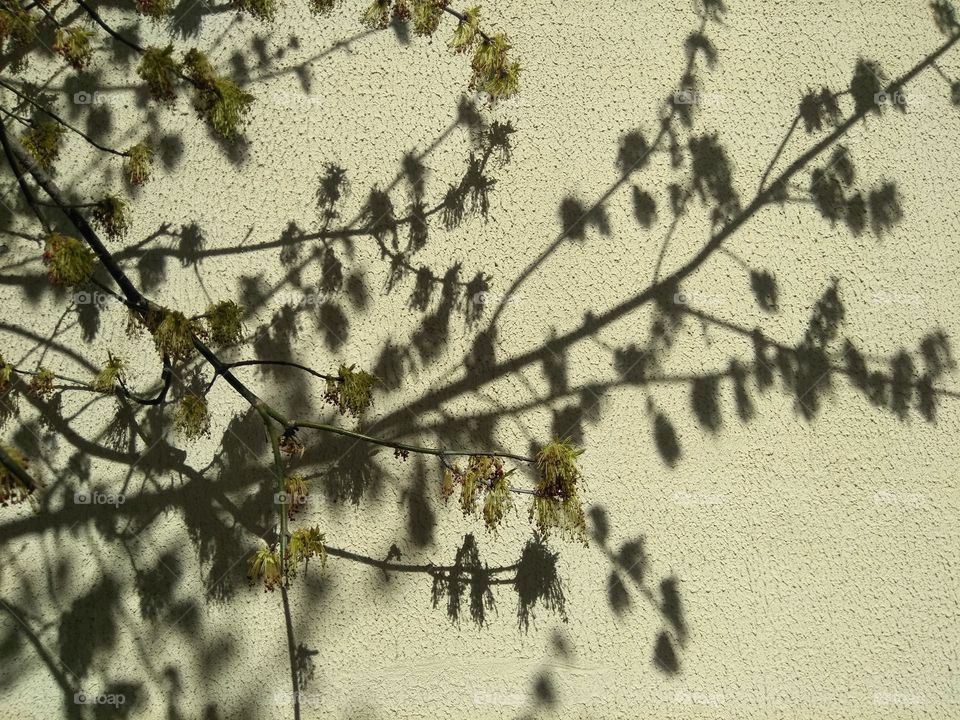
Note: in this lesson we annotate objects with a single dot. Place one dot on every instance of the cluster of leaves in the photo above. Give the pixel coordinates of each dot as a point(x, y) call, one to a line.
point(172, 333)
point(296, 487)
point(43, 142)
point(260, 9)
point(138, 164)
point(224, 322)
point(351, 391)
point(112, 216)
point(192, 418)
point(493, 72)
point(41, 384)
point(154, 9)
point(73, 45)
point(69, 261)
point(160, 71)
point(303, 544)
point(111, 375)
point(12, 490)
point(6, 373)
point(483, 474)
point(557, 504)
point(16, 25)
point(217, 99)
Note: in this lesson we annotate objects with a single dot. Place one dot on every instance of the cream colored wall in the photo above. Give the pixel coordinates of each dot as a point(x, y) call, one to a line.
point(816, 560)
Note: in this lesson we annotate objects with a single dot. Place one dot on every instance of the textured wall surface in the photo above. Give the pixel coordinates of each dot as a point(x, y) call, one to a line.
point(757, 550)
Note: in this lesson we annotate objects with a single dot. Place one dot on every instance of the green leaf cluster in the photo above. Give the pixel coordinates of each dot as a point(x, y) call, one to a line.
point(69, 261)
point(557, 504)
point(43, 141)
point(16, 24)
point(265, 564)
point(160, 71)
point(73, 45)
point(224, 322)
point(111, 214)
point(41, 384)
point(192, 418)
point(154, 9)
point(260, 9)
point(493, 71)
point(484, 475)
point(138, 164)
point(467, 31)
point(173, 334)
point(217, 99)
point(113, 373)
point(297, 487)
point(304, 544)
point(351, 391)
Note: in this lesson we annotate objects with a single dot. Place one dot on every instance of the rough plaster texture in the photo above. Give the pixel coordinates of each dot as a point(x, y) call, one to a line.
point(816, 559)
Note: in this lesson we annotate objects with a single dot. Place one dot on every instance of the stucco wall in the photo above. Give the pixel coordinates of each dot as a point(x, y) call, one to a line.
point(814, 553)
